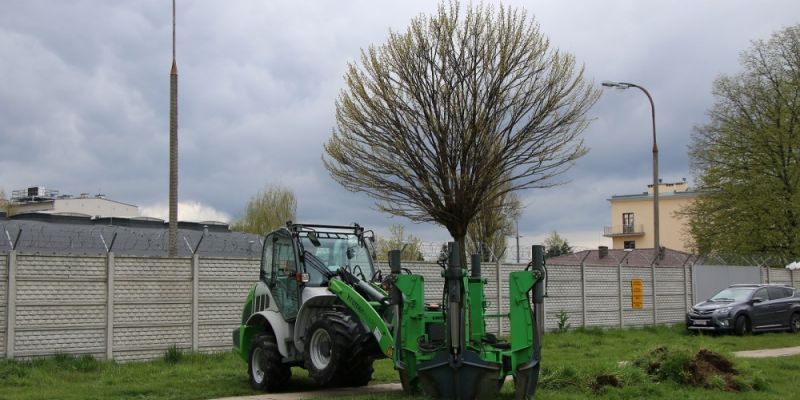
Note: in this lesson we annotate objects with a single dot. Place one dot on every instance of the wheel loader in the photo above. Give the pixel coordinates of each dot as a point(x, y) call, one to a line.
point(321, 304)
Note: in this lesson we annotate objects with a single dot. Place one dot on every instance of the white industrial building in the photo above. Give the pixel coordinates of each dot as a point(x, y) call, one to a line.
point(37, 199)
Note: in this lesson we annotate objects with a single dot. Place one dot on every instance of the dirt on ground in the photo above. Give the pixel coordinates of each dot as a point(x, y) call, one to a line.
point(604, 380)
point(703, 369)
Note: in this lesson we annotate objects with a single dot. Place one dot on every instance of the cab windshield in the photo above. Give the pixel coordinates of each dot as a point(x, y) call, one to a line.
point(337, 250)
point(732, 295)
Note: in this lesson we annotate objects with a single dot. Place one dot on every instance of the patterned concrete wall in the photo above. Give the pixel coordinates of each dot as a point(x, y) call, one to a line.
point(62, 303)
point(593, 291)
point(223, 287)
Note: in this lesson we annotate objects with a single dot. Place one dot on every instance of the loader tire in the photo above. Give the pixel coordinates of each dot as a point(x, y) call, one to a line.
point(265, 369)
point(337, 350)
point(364, 351)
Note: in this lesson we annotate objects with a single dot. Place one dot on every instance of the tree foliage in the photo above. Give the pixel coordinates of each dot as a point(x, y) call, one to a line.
point(747, 157)
point(3, 201)
point(489, 229)
point(267, 210)
point(555, 245)
point(460, 109)
point(398, 240)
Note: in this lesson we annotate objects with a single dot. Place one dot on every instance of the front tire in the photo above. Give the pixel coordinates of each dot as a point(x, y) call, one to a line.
point(338, 350)
point(265, 369)
point(740, 326)
point(794, 323)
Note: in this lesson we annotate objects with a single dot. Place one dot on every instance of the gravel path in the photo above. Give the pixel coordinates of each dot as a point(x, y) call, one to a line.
point(783, 352)
point(323, 393)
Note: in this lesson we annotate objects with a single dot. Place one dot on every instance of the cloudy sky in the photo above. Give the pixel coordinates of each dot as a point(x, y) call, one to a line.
point(84, 89)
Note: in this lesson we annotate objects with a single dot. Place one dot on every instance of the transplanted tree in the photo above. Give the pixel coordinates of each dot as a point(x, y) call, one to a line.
point(491, 226)
point(460, 109)
point(267, 210)
point(398, 240)
point(747, 158)
point(555, 245)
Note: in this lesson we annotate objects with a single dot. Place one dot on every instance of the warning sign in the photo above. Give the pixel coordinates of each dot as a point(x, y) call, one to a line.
point(637, 298)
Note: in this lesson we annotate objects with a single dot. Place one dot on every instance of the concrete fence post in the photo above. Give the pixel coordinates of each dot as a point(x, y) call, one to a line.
point(685, 291)
point(769, 278)
point(195, 302)
point(791, 276)
point(583, 293)
point(110, 266)
point(500, 320)
point(11, 305)
point(653, 281)
point(619, 296)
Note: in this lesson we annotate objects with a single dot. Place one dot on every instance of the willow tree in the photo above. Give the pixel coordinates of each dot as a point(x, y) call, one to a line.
point(267, 210)
point(490, 227)
point(460, 109)
point(747, 157)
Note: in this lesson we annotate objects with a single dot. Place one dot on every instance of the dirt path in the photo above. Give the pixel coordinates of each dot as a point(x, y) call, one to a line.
point(783, 352)
point(323, 393)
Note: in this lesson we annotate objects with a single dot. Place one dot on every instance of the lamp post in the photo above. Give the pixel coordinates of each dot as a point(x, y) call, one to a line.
point(626, 85)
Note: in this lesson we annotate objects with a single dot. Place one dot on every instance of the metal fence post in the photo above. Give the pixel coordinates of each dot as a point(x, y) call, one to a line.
point(195, 302)
point(110, 305)
point(11, 306)
point(653, 280)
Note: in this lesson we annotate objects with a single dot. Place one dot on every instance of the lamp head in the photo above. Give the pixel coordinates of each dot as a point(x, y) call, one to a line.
point(618, 85)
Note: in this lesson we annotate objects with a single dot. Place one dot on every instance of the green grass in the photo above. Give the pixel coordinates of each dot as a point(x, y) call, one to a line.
point(572, 362)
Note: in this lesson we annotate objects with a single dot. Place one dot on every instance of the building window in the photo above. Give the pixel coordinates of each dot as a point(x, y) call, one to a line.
point(627, 223)
point(629, 244)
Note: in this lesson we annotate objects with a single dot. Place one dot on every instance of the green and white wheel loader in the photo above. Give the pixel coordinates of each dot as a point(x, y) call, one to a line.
point(321, 304)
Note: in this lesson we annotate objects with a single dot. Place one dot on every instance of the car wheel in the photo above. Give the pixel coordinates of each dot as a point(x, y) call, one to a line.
point(794, 323)
point(740, 327)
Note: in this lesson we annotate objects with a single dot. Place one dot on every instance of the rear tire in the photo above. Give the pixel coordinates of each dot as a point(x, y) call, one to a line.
point(794, 323)
point(265, 369)
point(741, 325)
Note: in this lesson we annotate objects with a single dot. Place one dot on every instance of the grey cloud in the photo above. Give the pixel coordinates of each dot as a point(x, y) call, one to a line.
point(84, 96)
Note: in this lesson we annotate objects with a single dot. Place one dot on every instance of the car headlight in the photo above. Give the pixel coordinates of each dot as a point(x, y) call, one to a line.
point(724, 310)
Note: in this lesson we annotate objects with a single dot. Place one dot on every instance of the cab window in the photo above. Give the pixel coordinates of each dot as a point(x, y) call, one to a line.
point(283, 259)
point(266, 259)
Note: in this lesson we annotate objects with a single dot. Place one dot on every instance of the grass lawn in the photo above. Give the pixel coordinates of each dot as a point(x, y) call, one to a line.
point(572, 362)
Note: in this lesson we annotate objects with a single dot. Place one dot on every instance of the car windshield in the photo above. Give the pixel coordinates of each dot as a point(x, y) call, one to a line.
point(338, 250)
point(733, 294)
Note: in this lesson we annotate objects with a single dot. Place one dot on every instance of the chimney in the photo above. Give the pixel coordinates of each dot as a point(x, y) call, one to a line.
point(603, 250)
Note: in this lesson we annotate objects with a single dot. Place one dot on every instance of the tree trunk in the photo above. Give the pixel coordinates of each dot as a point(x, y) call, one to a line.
point(462, 248)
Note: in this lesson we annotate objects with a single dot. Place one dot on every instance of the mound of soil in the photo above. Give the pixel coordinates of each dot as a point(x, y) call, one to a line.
point(707, 364)
point(604, 380)
point(698, 370)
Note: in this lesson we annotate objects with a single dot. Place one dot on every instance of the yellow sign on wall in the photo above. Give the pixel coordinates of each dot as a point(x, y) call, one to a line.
point(637, 298)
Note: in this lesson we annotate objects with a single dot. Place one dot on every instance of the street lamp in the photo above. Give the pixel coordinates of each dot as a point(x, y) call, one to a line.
point(626, 85)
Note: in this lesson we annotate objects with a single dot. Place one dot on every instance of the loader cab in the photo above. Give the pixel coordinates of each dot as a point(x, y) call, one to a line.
point(334, 251)
point(279, 268)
